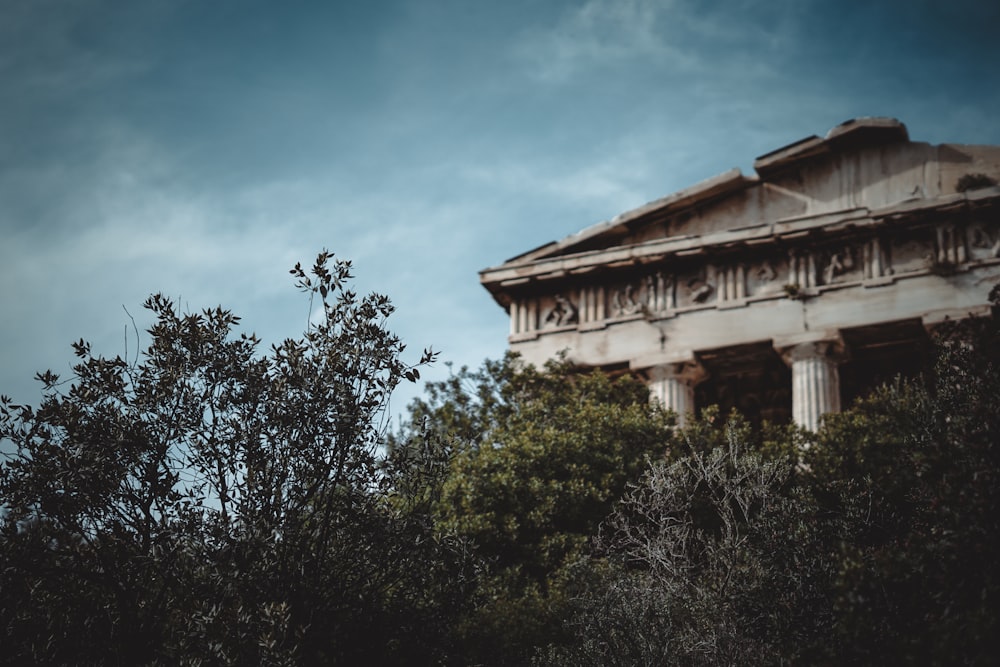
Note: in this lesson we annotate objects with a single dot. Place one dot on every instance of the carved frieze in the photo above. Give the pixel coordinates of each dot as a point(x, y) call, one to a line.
point(767, 273)
point(913, 252)
point(839, 265)
point(625, 301)
point(984, 242)
point(561, 313)
point(696, 287)
point(765, 277)
point(650, 295)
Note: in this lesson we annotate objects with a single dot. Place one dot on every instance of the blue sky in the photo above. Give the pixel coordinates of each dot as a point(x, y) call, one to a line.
point(201, 148)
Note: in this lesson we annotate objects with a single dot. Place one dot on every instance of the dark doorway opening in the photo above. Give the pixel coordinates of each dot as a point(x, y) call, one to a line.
point(751, 378)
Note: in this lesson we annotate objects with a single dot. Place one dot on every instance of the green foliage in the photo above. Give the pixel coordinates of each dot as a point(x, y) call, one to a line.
point(536, 489)
point(711, 560)
point(209, 504)
point(542, 455)
point(881, 546)
point(466, 407)
point(915, 472)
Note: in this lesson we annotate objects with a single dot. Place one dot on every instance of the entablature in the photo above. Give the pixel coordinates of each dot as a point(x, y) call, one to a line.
point(514, 273)
point(796, 258)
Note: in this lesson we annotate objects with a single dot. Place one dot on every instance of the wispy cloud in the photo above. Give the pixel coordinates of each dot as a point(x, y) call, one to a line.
point(125, 222)
point(679, 35)
point(190, 148)
point(597, 186)
point(599, 31)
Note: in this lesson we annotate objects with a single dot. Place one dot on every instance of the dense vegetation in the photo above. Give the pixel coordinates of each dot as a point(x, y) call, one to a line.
point(207, 503)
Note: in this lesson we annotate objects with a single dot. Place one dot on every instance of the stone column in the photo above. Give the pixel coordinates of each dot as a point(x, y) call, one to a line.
point(672, 386)
point(815, 379)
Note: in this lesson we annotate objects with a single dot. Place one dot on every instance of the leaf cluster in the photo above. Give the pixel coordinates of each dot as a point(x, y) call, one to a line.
point(540, 456)
point(875, 543)
point(207, 503)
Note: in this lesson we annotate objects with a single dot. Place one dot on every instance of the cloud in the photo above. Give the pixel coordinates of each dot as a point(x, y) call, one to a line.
point(599, 185)
point(45, 50)
point(113, 226)
point(677, 35)
point(596, 32)
point(204, 159)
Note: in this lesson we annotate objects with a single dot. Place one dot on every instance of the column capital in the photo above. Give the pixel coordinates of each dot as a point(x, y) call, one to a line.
point(689, 372)
point(811, 345)
point(671, 384)
point(683, 367)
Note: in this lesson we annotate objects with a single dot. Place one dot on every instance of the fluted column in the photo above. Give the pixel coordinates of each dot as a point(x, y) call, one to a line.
point(672, 386)
point(815, 380)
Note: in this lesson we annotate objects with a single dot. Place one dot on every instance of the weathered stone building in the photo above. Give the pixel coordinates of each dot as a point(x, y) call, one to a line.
point(784, 294)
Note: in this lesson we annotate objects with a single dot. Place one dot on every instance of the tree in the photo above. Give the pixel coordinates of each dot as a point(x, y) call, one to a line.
point(541, 457)
point(914, 471)
point(881, 546)
point(712, 559)
point(206, 503)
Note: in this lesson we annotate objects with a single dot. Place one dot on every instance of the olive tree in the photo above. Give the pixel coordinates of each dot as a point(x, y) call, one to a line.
point(206, 502)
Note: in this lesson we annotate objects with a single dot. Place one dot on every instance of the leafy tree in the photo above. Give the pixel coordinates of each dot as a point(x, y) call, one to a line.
point(882, 546)
point(915, 472)
point(207, 504)
point(541, 457)
point(711, 559)
point(467, 406)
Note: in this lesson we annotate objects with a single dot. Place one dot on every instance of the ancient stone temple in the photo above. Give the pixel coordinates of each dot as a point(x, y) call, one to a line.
point(784, 294)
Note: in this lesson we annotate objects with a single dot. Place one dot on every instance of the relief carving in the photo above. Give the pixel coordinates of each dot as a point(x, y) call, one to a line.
point(652, 294)
point(840, 262)
point(765, 273)
point(982, 242)
point(915, 253)
point(699, 289)
point(563, 313)
point(624, 302)
point(762, 278)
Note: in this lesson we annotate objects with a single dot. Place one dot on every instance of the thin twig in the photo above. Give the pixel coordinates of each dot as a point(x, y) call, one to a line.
point(136, 329)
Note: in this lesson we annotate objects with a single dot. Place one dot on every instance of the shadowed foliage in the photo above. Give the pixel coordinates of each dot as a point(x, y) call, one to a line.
point(541, 456)
point(208, 504)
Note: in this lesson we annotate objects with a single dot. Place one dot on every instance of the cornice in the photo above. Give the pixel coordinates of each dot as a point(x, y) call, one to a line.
point(517, 273)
